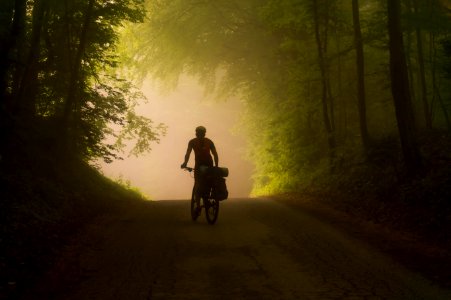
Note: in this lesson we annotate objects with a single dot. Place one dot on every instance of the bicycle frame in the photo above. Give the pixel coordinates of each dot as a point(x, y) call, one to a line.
point(201, 198)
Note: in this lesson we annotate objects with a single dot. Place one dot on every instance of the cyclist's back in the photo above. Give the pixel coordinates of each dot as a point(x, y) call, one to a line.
point(203, 148)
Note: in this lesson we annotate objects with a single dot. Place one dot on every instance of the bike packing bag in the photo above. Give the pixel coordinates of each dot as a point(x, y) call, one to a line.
point(218, 172)
point(219, 191)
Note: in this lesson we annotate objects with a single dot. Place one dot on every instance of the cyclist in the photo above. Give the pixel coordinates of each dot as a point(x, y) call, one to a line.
point(202, 147)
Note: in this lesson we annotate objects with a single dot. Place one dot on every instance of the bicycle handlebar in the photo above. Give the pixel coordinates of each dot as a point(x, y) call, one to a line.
point(188, 169)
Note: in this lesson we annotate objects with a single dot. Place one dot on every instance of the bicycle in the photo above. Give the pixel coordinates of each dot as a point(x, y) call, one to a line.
point(203, 196)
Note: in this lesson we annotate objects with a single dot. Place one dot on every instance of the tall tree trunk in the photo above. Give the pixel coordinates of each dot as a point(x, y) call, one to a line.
point(341, 130)
point(28, 87)
point(435, 85)
point(20, 53)
point(324, 85)
point(443, 107)
point(410, 65)
point(360, 63)
point(13, 17)
point(324, 41)
point(400, 89)
point(7, 41)
point(424, 97)
point(12, 21)
point(71, 105)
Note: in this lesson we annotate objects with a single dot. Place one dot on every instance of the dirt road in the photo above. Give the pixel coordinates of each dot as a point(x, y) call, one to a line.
point(259, 249)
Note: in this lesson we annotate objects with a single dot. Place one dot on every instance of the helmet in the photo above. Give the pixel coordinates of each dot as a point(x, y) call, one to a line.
point(201, 129)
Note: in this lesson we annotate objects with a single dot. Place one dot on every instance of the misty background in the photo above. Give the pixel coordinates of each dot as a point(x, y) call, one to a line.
point(158, 174)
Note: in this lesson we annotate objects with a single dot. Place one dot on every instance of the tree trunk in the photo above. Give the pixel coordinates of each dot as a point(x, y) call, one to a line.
point(13, 16)
point(341, 130)
point(20, 52)
point(400, 89)
point(71, 105)
point(410, 67)
point(424, 97)
point(435, 86)
point(444, 109)
point(28, 87)
point(360, 75)
point(324, 85)
point(324, 39)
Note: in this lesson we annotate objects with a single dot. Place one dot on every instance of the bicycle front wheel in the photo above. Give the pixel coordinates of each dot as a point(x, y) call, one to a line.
point(195, 209)
point(211, 210)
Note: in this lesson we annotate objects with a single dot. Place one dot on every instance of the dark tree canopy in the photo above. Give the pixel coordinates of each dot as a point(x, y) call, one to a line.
point(59, 79)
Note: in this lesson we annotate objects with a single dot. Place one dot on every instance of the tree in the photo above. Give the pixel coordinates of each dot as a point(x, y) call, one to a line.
point(422, 72)
point(360, 74)
point(59, 69)
point(321, 46)
point(71, 114)
point(12, 19)
point(400, 89)
point(27, 84)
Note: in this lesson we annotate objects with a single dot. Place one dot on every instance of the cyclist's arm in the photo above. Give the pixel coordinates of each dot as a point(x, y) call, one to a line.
point(187, 155)
point(215, 154)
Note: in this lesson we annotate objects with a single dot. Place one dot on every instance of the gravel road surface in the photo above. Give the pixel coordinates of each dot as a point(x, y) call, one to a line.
point(259, 249)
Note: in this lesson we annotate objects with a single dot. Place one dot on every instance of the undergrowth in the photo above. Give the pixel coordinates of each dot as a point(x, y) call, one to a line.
point(44, 201)
point(379, 190)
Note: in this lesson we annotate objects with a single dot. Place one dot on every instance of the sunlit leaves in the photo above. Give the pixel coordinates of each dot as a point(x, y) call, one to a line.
point(141, 131)
point(103, 99)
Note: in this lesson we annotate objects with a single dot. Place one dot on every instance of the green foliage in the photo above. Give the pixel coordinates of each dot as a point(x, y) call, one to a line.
point(267, 53)
point(69, 77)
point(126, 185)
point(139, 128)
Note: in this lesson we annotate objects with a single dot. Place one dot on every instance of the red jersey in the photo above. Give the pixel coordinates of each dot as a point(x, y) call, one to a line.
point(202, 148)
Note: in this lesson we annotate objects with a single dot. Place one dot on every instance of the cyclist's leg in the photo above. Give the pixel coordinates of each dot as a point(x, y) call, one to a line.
point(201, 180)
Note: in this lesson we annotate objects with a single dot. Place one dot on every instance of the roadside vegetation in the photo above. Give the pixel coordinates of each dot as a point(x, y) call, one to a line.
point(381, 192)
point(44, 204)
point(63, 107)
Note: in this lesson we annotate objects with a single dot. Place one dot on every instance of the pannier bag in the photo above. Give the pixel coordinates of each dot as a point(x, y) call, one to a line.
point(213, 171)
point(218, 172)
point(219, 191)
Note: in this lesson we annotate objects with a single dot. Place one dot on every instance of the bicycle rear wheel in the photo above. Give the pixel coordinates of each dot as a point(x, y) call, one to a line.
point(211, 210)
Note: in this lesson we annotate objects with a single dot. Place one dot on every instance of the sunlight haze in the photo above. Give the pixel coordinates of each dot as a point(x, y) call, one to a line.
point(158, 174)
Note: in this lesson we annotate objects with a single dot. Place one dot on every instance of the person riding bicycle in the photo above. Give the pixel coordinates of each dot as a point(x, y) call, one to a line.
point(202, 147)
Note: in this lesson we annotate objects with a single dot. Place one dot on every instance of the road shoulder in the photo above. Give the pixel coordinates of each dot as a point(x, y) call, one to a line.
point(416, 253)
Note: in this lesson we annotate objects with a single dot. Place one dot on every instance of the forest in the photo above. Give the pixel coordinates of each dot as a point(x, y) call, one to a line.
point(326, 84)
point(348, 101)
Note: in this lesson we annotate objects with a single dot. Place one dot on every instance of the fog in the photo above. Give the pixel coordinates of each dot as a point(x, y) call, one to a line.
point(158, 174)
